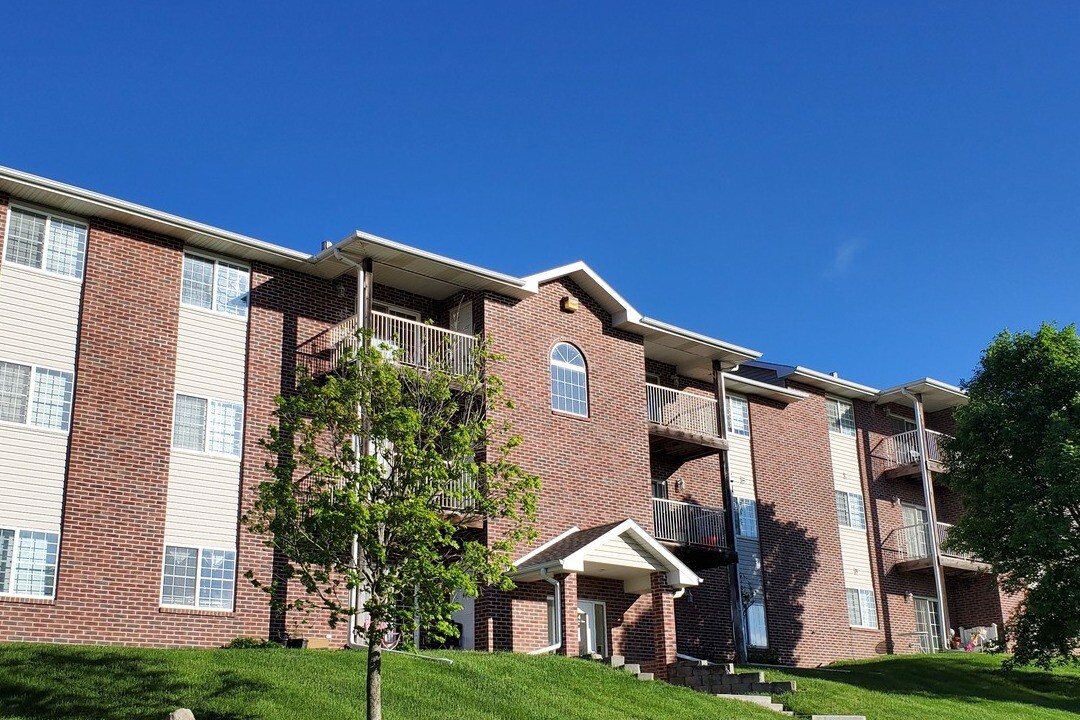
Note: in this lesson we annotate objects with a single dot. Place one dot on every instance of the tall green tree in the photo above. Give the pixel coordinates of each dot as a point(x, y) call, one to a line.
point(381, 471)
point(1016, 464)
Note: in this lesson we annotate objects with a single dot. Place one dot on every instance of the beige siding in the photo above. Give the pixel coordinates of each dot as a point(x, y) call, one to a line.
point(856, 556)
point(211, 353)
point(741, 467)
point(39, 317)
point(202, 503)
point(845, 463)
point(32, 466)
point(625, 552)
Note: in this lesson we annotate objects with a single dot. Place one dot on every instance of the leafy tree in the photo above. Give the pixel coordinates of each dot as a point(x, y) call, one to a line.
point(368, 462)
point(1016, 464)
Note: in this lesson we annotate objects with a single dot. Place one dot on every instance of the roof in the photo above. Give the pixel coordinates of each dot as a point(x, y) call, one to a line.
point(936, 395)
point(749, 386)
point(830, 383)
point(577, 551)
point(691, 353)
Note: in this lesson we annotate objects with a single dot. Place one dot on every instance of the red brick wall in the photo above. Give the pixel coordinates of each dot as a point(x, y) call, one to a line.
point(703, 618)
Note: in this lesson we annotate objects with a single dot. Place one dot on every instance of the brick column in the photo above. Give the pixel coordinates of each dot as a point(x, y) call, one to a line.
point(568, 613)
point(663, 623)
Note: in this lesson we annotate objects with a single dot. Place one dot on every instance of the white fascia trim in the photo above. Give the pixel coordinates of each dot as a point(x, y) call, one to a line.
point(697, 337)
point(782, 371)
point(111, 203)
point(626, 312)
point(769, 388)
point(679, 575)
point(364, 237)
point(936, 384)
point(539, 548)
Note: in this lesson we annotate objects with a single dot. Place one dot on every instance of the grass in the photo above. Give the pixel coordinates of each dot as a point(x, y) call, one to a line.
point(968, 686)
point(48, 682)
point(51, 682)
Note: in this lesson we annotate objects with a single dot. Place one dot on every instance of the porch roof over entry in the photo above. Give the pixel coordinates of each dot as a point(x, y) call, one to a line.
point(616, 551)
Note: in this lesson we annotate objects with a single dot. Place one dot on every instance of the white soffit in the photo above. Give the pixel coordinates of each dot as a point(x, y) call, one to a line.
point(748, 386)
point(936, 395)
point(691, 353)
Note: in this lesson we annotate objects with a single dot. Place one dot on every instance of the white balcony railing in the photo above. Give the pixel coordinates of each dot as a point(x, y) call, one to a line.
point(688, 524)
point(459, 494)
point(915, 542)
point(903, 449)
point(420, 345)
point(681, 410)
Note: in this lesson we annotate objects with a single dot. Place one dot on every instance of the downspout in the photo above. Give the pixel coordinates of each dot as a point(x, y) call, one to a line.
point(931, 511)
point(558, 615)
point(361, 316)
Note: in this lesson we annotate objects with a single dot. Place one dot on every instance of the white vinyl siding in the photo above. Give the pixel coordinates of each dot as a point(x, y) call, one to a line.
point(741, 467)
point(45, 242)
point(850, 510)
point(203, 578)
point(32, 469)
point(862, 609)
point(28, 562)
point(202, 505)
point(216, 285)
point(211, 355)
point(841, 416)
point(39, 318)
point(625, 551)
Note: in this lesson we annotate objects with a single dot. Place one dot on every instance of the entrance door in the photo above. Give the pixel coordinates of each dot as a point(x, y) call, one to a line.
point(916, 532)
point(927, 624)
point(592, 627)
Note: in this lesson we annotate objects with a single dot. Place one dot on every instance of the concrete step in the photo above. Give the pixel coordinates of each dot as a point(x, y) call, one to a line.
point(644, 676)
point(763, 700)
point(615, 661)
point(633, 668)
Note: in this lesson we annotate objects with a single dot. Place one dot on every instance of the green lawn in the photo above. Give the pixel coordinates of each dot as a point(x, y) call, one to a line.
point(964, 686)
point(48, 682)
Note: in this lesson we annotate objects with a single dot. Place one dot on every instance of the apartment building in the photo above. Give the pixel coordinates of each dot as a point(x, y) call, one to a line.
point(696, 500)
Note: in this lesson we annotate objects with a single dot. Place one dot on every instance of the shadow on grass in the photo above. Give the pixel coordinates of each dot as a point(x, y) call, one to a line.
point(965, 679)
point(55, 683)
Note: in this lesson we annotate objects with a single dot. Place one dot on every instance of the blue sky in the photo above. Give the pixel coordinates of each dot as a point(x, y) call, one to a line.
point(871, 188)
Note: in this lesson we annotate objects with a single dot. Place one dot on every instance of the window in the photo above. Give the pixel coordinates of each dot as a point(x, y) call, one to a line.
point(206, 425)
point(862, 610)
point(215, 285)
point(569, 381)
point(756, 633)
point(746, 517)
point(46, 242)
point(850, 511)
point(198, 577)
point(901, 424)
point(35, 396)
point(738, 415)
point(28, 562)
point(841, 416)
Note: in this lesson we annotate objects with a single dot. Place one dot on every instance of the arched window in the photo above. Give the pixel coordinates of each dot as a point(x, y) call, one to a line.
point(569, 380)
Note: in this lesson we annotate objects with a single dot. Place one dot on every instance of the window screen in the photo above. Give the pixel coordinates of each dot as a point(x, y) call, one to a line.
point(197, 285)
point(181, 571)
point(189, 423)
point(52, 399)
point(14, 392)
point(26, 238)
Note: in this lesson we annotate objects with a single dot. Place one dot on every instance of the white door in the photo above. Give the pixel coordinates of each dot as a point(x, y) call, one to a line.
point(927, 624)
point(592, 627)
point(916, 532)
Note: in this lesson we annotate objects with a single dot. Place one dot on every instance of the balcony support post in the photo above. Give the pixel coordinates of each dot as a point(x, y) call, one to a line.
point(931, 510)
point(734, 591)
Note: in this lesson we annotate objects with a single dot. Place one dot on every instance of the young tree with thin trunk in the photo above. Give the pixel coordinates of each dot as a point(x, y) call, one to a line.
point(381, 472)
point(1015, 462)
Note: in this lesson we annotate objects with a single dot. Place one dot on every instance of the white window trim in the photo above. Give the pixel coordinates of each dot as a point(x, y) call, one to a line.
point(206, 429)
point(14, 560)
point(854, 426)
point(217, 260)
point(731, 425)
point(737, 516)
point(30, 400)
point(584, 371)
point(49, 215)
point(199, 550)
point(850, 495)
point(873, 597)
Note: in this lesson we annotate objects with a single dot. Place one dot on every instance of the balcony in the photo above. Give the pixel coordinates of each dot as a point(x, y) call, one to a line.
point(457, 498)
point(420, 345)
point(902, 453)
point(697, 532)
point(913, 546)
point(681, 423)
